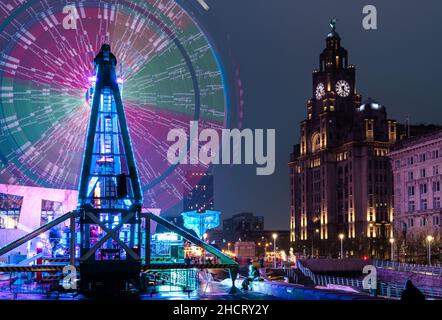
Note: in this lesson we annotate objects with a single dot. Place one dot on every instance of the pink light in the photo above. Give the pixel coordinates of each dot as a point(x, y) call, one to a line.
point(39, 245)
point(92, 79)
point(119, 81)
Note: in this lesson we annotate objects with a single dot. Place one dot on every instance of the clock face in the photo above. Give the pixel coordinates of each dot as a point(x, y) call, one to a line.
point(320, 91)
point(343, 88)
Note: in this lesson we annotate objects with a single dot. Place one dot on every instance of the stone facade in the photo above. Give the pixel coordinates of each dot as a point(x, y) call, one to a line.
point(340, 174)
point(417, 173)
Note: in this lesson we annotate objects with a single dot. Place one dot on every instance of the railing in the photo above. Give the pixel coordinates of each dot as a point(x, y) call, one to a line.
point(388, 290)
point(306, 271)
point(24, 283)
point(323, 280)
point(406, 267)
point(183, 279)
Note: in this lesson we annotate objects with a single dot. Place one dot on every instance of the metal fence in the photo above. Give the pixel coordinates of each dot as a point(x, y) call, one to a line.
point(305, 271)
point(388, 290)
point(24, 283)
point(176, 279)
point(407, 267)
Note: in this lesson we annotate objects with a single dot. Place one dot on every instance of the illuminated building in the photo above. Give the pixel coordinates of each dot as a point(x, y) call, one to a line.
point(198, 205)
point(200, 197)
point(417, 173)
point(340, 174)
point(25, 208)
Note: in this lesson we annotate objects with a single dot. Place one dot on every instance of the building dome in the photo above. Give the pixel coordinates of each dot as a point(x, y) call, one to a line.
point(333, 34)
point(370, 104)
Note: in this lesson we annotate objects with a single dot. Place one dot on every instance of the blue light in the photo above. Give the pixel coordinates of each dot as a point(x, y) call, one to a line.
point(201, 222)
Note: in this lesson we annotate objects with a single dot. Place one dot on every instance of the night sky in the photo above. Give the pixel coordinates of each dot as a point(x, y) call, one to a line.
point(276, 44)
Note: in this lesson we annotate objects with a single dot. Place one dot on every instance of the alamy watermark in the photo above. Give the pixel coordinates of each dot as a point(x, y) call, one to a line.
point(70, 279)
point(370, 20)
point(230, 146)
point(370, 281)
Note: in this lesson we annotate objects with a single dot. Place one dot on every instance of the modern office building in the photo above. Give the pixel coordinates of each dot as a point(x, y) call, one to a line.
point(200, 196)
point(417, 175)
point(242, 227)
point(341, 181)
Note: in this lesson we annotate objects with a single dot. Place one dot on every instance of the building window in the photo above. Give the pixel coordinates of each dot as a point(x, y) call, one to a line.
point(422, 157)
point(411, 222)
point(435, 220)
point(436, 186)
point(423, 188)
point(423, 222)
point(50, 210)
point(424, 204)
point(410, 176)
point(411, 206)
point(435, 154)
point(380, 152)
point(435, 170)
point(436, 202)
point(410, 161)
point(411, 191)
point(423, 173)
point(10, 206)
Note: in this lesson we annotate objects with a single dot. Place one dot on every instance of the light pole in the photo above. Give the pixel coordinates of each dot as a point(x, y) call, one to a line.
point(274, 249)
point(313, 238)
point(392, 248)
point(341, 236)
point(429, 240)
point(228, 246)
point(204, 252)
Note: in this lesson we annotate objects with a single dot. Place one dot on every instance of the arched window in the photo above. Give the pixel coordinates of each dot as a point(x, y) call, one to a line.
point(316, 142)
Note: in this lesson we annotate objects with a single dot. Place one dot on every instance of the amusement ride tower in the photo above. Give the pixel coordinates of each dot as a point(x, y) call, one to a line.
point(110, 197)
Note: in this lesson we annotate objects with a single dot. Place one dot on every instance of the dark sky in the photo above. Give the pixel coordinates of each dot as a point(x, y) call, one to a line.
point(277, 43)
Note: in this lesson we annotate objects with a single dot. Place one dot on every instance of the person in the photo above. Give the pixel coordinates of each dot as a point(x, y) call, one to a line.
point(187, 260)
point(261, 262)
point(411, 293)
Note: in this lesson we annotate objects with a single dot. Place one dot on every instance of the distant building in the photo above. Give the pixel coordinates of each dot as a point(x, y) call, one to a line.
point(242, 227)
point(405, 131)
point(340, 174)
point(417, 174)
point(200, 197)
point(244, 250)
point(266, 237)
point(216, 237)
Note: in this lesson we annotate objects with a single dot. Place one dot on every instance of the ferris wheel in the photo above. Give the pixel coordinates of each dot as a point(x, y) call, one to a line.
point(169, 71)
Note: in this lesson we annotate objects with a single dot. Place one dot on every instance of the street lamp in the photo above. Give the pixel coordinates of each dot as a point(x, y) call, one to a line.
point(429, 239)
point(204, 252)
point(313, 237)
point(228, 246)
point(341, 236)
point(274, 249)
point(392, 249)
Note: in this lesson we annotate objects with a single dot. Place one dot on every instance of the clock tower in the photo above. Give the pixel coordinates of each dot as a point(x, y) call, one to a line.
point(340, 175)
point(334, 83)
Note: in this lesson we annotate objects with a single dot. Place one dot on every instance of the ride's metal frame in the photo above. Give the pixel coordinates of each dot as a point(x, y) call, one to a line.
point(132, 214)
point(225, 261)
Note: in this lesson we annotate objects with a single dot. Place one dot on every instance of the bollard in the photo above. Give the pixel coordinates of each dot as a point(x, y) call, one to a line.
point(233, 275)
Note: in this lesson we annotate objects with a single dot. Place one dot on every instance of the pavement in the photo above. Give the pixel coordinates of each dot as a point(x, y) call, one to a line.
point(211, 291)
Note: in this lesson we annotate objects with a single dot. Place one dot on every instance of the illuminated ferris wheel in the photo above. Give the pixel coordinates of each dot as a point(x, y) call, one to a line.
point(170, 74)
